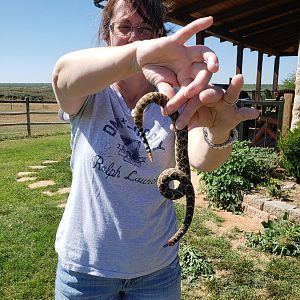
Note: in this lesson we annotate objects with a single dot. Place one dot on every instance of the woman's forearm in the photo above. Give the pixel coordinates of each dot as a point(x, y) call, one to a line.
point(81, 73)
point(202, 157)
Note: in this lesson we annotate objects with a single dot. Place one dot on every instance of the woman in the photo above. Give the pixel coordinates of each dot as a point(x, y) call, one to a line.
point(110, 239)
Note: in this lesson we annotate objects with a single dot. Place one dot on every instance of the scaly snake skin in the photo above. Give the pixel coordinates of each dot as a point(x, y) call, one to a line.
point(180, 173)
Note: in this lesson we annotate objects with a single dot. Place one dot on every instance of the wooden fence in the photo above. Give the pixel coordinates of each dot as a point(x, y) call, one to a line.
point(28, 112)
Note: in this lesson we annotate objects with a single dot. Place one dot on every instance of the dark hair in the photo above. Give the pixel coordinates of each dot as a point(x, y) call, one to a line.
point(153, 13)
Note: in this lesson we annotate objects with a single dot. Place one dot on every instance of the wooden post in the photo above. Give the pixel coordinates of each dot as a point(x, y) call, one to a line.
point(258, 75)
point(287, 113)
point(239, 59)
point(200, 37)
point(276, 71)
point(28, 116)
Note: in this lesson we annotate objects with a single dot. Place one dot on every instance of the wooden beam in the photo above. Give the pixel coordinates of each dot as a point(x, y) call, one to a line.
point(194, 7)
point(276, 72)
point(258, 17)
point(259, 73)
point(240, 11)
point(239, 59)
point(271, 25)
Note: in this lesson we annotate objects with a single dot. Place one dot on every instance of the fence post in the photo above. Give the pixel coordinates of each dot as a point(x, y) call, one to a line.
point(28, 116)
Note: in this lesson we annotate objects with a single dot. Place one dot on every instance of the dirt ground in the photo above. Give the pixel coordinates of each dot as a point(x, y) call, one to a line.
point(242, 222)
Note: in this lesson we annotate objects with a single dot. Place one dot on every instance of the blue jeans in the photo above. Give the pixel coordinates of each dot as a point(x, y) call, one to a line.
point(161, 285)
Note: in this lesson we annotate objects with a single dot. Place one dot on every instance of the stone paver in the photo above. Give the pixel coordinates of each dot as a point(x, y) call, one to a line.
point(278, 208)
point(40, 184)
point(37, 167)
point(256, 201)
point(21, 174)
point(294, 215)
point(65, 190)
point(24, 179)
point(274, 208)
point(49, 162)
point(255, 212)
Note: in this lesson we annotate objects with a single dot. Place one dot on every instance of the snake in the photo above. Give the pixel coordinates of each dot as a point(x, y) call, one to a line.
point(181, 173)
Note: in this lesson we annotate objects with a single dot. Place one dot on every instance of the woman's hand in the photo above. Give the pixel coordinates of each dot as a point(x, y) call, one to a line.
point(167, 62)
point(214, 108)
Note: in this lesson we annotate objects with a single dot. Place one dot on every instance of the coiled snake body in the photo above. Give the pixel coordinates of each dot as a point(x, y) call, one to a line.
point(181, 173)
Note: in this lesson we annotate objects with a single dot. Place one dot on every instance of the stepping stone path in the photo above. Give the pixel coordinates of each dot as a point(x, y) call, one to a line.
point(29, 176)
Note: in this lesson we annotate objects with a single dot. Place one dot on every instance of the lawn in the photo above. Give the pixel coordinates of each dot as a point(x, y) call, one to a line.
point(29, 219)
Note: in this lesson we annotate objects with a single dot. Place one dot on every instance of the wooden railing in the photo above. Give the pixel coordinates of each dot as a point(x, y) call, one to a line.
point(28, 112)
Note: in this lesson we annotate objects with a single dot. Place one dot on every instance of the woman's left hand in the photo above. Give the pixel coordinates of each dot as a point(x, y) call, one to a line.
point(213, 108)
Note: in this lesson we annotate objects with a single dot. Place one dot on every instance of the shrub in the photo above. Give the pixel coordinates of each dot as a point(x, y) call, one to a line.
point(281, 237)
point(246, 167)
point(194, 264)
point(290, 81)
point(289, 147)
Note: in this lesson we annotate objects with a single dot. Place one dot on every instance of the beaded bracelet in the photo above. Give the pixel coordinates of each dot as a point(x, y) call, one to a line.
point(232, 138)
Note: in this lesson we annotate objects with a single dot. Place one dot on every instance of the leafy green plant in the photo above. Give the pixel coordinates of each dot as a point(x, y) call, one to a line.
point(289, 146)
point(289, 81)
point(281, 237)
point(246, 167)
point(274, 188)
point(194, 264)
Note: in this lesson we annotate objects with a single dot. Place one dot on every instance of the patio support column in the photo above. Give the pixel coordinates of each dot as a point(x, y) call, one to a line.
point(258, 75)
point(200, 37)
point(239, 59)
point(276, 72)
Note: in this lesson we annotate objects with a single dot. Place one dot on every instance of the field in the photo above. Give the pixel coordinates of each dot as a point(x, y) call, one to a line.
point(37, 93)
point(29, 220)
point(40, 92)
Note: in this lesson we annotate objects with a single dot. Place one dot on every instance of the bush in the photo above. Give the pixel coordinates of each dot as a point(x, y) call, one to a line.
point(290, 147)
point(194, 264)
point(247, 167)
point(290, 81)
point(281, 237)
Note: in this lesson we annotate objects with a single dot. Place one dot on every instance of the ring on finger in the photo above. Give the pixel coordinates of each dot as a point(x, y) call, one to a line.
point(230, 103)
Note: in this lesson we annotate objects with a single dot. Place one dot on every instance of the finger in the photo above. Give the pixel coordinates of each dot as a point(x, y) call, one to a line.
point(234, 89)
point(247, 113)
point(200, 53)
point(166, 89)
point(186, 32)
point(198, 84)
point(177, 101)
point(211, 95)
point(188, 111)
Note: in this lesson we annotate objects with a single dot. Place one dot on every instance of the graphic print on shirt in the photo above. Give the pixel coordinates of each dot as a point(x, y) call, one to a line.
point(130, 150)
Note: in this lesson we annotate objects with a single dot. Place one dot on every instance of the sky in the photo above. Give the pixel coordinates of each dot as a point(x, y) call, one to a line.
point(35, 33)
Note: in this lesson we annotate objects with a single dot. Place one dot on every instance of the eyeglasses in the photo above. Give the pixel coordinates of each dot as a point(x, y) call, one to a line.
point(125, 29)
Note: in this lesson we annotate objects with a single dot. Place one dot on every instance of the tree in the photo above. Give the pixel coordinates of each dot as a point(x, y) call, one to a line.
point(296, 107)
point(289, 82)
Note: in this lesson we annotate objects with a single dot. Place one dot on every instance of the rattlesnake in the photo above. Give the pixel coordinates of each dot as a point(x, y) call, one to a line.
point(180, 173)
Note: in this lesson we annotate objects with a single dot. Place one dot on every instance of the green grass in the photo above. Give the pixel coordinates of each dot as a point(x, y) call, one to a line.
point(29, 220)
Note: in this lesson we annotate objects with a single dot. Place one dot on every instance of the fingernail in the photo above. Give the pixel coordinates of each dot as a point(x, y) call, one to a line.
point(179, 125)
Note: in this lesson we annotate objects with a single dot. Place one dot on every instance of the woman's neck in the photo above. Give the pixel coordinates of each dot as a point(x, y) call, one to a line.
point(133, 88)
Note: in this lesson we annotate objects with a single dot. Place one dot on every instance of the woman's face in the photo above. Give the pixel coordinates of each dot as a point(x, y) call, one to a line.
point(121, 32)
